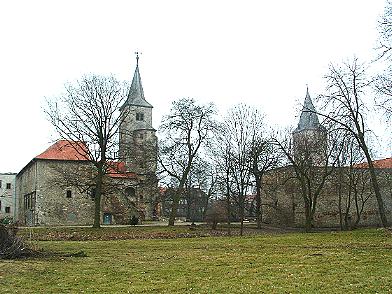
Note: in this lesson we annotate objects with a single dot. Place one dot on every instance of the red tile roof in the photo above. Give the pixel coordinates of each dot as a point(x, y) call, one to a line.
point(63, 150)
point(381, 163)
point(117, 169)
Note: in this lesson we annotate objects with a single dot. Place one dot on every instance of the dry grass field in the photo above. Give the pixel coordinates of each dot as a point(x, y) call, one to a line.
point(324, 262)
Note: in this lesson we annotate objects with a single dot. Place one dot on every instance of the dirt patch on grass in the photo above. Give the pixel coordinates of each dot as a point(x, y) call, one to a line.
point(126, 233)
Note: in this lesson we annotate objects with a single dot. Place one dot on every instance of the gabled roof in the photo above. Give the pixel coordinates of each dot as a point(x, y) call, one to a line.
point(381, 163)
point(64, 150)
point(308, 119)
point(136, 93)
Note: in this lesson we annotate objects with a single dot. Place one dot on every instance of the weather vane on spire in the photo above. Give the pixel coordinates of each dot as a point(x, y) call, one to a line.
point(137, 57)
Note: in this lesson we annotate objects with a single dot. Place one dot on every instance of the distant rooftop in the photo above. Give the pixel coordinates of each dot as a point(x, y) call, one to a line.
point(381, 163)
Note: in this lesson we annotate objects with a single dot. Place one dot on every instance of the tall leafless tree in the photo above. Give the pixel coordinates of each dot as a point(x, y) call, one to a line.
point(87, 116)
point(351, 182)
point(385, 31)
point(312, 162)
point(344, 104)
point(264, 157)
point(239, 131)
point(221, 155)
point(185, 131)
point(383, 83)
point(203, 176)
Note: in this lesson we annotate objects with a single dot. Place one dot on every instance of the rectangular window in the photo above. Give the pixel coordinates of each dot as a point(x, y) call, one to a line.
point(139, 116)
point(7, 209)
point(8, 186)
point(29, 201)
point(69, 194)
point(0, 183)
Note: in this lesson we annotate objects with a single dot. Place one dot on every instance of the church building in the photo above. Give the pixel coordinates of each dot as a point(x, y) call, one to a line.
point(56, 187)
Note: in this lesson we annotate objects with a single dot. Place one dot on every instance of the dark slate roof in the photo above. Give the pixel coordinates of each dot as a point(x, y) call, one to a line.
point(308, 119)
point(136, 93)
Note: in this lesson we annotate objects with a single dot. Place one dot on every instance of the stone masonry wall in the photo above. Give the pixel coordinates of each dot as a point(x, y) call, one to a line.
point(283, 203)
point(45, 184)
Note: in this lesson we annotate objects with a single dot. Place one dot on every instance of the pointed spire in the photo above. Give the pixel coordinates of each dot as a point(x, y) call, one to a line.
point(137, 59)
point(308, 119)
point(136, 93)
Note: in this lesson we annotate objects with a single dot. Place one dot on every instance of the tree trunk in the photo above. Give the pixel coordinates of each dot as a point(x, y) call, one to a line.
point(258, 203)
point(173, 212)
point(375, 185)
point(228, 215)
point(308, 217)
point(340, 206)
point(97, 200)
point(242, 212)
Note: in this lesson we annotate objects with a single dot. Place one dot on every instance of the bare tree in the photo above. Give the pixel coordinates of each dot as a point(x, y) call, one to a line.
point(344, 105)
point(216, 213)
point(203, 176)
point(221, 155)
point(383, 84)
point(239, 129)
point(312, 162)
point(87, 116)
point(264, 157)
point(351, 182)
point(185, 131)
point(383, 87)
point(385, 31)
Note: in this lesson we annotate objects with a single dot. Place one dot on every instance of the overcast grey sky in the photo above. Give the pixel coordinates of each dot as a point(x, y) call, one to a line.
point(259, 52)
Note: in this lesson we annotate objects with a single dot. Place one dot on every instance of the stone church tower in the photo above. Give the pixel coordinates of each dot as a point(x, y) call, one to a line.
point(138, 142)
point(310, 137)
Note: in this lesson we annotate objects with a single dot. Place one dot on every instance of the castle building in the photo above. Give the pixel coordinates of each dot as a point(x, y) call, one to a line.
point(346, 198)
point(57, 188)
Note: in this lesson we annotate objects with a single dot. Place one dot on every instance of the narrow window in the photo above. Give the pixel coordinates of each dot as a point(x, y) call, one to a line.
point(0, 183)
point(139, 116)
point(92, 193)
point(0, 205)
point(69, 194)
point(8, 186)
point(7, 209)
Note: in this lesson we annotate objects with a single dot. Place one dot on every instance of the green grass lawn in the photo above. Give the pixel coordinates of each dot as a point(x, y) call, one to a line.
point(339, 262)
